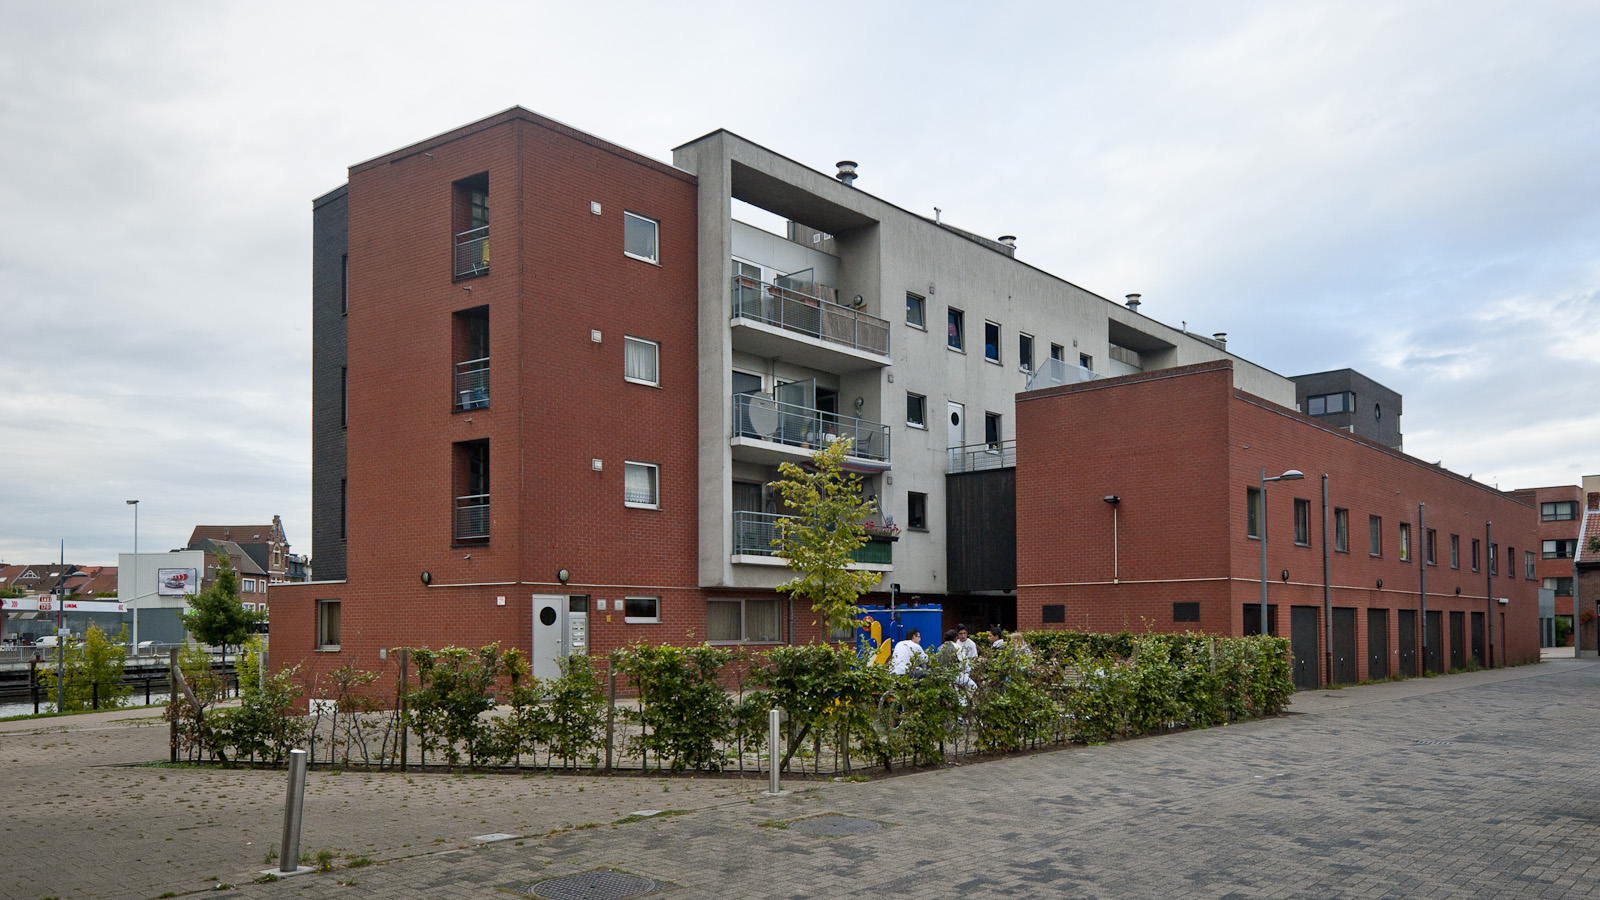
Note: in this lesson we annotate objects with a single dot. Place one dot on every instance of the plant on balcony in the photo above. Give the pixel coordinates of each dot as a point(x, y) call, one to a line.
point(887, 531)
point(819, 541)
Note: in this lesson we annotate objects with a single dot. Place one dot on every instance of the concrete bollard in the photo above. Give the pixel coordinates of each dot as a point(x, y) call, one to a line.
point(774, 751)
point(289, 862)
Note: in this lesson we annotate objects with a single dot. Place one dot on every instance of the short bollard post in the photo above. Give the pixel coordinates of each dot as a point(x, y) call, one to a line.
point(290, 860)
point(774, 754)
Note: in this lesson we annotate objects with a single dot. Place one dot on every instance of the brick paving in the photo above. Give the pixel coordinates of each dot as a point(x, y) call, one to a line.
point(1472, 785)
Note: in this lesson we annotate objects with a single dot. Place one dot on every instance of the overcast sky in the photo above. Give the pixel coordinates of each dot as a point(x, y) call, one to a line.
point(1408, 189)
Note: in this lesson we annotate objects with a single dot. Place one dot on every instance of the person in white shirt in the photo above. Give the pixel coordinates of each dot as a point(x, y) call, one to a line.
point(966, 652)
point(905, 652)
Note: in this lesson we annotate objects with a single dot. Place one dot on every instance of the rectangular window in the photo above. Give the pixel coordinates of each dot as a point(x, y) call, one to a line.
point(1185, 612)
point(469, 347)
point(344, 490)
point(1302, 522)
point(1341, 530)
point(1494, 559)
point(991, 341)
point(249, 607)
point(327, 624)
point(1562, 586)
point(249, 585)
point(639, 235)
point(917, 511)
point(471, 481)
point(1058, 353)
point(916, 410)
point(1474, 554)
point(1053, 613)
point(991, 430)
point(470, 217)
point(916, 311)
point(1405, 541)
point(1430, 550)
point(1528, 565)
point(1085, 361)
point(1328, 404)
point(1252, 512)
point(956, 339)
point(1374, 536)
point(641, 361)
point(344, 284)
point(1559, 511)
point(641, 610)
point(344, 397)
point(743, 621)
point(641, 485)
point(1455, 551)
point(1025, 351)
point(1559, 549)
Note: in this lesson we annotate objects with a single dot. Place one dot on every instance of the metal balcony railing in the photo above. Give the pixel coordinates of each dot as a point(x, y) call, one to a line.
point(1059, 371)
point(754, 532)
point(472, 251)
point(472, 384)
point(760, 416)
point(472, 518)
point(978, 457)
point(797, 311)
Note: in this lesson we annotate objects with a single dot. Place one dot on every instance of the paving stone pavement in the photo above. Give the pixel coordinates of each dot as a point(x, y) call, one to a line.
point(1475, 785)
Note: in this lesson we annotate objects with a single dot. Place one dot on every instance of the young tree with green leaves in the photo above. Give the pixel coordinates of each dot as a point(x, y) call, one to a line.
point(820, 540)
point(92, 669)
point(216, 616)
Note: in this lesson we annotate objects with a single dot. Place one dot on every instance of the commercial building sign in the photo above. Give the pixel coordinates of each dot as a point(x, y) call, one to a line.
point(177, 582)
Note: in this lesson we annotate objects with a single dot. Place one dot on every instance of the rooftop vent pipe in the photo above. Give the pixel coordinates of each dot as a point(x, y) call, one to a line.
point(1133, 302)
point(1221, 337)
point(1010, 240)
point(847, 171)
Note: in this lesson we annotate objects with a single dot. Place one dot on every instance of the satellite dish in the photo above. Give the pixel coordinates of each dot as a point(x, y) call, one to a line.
point(764, 417)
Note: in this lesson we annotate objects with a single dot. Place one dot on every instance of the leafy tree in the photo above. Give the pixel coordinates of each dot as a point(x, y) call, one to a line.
point(820, 540)
point(215, 614)
point(92, 668)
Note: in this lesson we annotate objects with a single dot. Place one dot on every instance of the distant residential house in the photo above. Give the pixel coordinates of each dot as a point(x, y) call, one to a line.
point(265, 544)
point(253, 577)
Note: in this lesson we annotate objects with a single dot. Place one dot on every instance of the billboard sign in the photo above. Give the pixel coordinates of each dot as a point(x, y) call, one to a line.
point(177, 582)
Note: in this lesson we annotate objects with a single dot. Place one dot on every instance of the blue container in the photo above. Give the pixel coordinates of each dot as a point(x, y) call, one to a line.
point(893, 625)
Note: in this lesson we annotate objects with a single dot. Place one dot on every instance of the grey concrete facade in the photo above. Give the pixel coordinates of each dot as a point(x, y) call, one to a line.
point(329, 356)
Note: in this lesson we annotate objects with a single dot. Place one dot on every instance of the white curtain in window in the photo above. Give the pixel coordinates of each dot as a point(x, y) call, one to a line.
point(761, 620)
point(640, 360)
point(722, 620)
point(639, 484)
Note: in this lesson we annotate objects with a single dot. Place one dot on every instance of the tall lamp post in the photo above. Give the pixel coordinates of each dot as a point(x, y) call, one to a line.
point(1291, 475)
point(134, 594)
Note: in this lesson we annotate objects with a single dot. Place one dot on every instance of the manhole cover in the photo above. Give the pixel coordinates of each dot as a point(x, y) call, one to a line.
point(602, 884)
point(834, 826)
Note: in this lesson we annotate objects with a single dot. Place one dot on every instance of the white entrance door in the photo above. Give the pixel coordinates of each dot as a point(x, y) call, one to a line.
point(548, 616)
point(958, 425)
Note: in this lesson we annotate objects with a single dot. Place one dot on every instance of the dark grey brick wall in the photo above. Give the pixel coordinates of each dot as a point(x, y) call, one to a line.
point(329, 354)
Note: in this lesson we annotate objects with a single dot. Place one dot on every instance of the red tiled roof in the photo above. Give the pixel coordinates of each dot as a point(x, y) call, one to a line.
point(1589, 531)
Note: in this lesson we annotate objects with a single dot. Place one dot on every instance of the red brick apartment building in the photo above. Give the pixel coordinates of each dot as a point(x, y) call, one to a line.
point(1138, 507)
point(515, 314)
point(1560, 519)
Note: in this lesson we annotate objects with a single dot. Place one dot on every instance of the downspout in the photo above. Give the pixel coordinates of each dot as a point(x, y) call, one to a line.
point(1327, 587)
point(1422, 526)
point(1488, 598)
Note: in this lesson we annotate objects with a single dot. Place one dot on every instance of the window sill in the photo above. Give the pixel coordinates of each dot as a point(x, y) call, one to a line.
point(641, 505)
point(654, 384)
point(992, 361)
point(915, 528)
point(628, 621)
point(643, 259)
point(917, 426)
point(922, 328)
point(334, 648)
point(955, 350)
point(1305, 544)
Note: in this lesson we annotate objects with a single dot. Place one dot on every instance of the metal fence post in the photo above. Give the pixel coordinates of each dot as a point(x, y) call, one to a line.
point(289, 861)
point(774, 738)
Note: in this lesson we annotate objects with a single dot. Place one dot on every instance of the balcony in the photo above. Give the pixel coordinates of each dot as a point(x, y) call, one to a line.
point(472, 384)
point(1059, 371)
point(770, 431)
point(472, 519)
point(772, 320)
point(979, 457)
point(472, 252)
point(754, 532)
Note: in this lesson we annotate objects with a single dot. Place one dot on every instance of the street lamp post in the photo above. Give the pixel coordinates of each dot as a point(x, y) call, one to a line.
point(134, 594)
point(1261, 497)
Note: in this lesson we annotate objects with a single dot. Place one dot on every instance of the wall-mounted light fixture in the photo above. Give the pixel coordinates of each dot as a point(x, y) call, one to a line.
point(563, 575)
point(427, 578)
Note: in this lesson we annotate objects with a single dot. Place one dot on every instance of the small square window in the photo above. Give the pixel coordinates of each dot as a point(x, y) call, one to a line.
point(1058, 352)
point(991, 341)
point(1085, 361)
point(1185, 612)
point(916, 410)
point(327, 624)
point(1025, 351)
point(641, 361)
point(641, 485)
point(1053, 612)
point(916, 311)
point(916, 511)
point(639, 237)
point(641, 610)
point(956, 323)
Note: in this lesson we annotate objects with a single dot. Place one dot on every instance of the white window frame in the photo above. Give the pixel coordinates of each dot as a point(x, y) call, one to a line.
point(323, 643)
point(248, 586)
point(999, 335)
point(655, 485)
point(923, 424)
point(641, 620)
point(655, 223)
point(1024, 338)
point(654, 346)
point(960, 346)
point(922, 310)
point(744, 622)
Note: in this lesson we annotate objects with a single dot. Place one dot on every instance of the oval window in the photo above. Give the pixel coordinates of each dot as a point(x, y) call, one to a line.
point(955, 418)
point(1377, 411)
point(547, 616)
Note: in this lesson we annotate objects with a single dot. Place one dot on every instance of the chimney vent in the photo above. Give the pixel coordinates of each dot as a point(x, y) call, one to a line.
point(1133, 302)
point(1010, 240)
point(1221, 337)
point(847, 171)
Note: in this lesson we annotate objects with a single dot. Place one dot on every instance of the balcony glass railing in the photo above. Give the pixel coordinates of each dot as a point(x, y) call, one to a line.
point(1059, 371)
point(797, 311)
point(472, 251)
point(761, 417)
point(472, 518)
point(978, 457)
point(472, 384)
point(754, 532)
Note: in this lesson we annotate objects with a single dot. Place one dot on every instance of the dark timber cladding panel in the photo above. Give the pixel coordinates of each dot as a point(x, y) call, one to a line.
point(1344, 645)
point(1477, 639)
point(329, 356)
point(1458, 640)
point(981, 526)
point(1433, 628)
point(1303, 644)
point(1377, 643)
point(1406, 640)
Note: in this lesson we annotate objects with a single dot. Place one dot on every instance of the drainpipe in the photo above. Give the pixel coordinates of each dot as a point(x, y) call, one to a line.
point(1327, 588)
point(1488, 599)
point(1422, 526)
